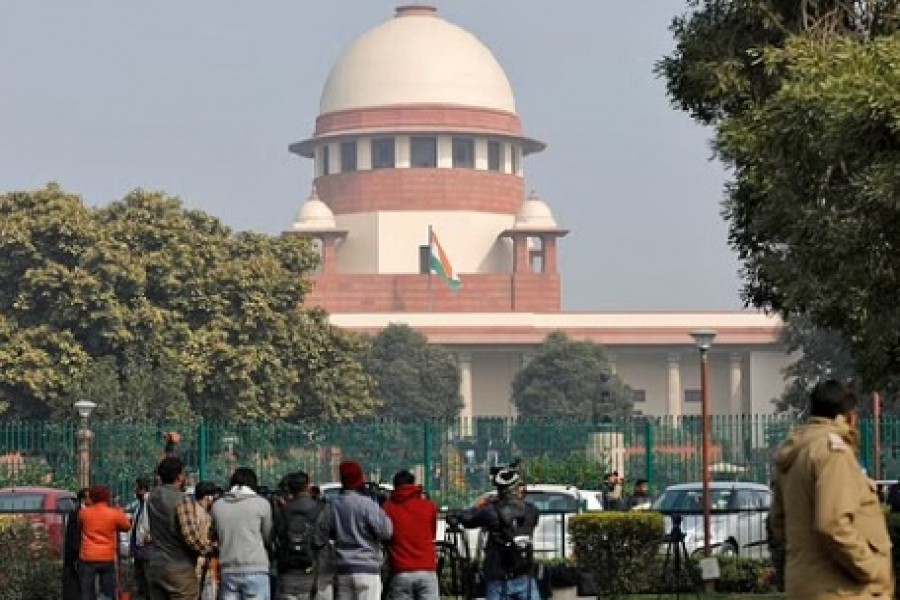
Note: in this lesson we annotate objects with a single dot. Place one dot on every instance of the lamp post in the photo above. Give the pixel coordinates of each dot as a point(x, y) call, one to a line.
point(704, 339)
point(84, 408)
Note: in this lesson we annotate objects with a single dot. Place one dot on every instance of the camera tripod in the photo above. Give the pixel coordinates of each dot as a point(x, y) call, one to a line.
point(455, 575)
point(676, 574)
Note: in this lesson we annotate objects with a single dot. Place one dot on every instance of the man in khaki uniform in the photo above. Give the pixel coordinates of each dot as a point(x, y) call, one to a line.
point(825, 511)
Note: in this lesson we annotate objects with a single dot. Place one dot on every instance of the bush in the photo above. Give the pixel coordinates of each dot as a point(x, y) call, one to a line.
point(619, 549)
point(741, 575)
point(30, 568)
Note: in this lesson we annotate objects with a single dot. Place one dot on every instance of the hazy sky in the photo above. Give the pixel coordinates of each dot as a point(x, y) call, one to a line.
point(202, 98)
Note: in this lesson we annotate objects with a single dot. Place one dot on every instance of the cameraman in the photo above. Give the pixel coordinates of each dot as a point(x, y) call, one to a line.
point(509, 523)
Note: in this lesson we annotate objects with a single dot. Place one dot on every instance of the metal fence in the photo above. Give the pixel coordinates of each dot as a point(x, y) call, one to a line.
point(452, 460)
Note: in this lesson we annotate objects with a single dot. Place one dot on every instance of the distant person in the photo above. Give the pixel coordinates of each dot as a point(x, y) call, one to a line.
point(196, 522)
point(72, 548)
point(138, 540)
point(413, 558)
point(640, 499)
point(825, 511)
point(243, 527)
point(613, 489)
point(170, 569)
point(100, 527)
point(359, 529)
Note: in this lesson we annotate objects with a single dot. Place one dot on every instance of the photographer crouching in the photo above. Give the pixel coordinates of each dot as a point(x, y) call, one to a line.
point(509, 524)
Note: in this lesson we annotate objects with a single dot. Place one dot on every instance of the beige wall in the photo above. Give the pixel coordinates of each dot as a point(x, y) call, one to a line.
point(766, 379)
point(358, 252)
point(388, 241)
point(492, 375)
point(647, 369)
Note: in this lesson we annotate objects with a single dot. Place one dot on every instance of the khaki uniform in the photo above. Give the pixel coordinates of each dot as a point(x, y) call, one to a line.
point(828, 517)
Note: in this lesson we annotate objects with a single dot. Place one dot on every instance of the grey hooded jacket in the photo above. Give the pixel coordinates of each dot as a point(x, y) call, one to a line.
point(243, 525)
point(358, 527)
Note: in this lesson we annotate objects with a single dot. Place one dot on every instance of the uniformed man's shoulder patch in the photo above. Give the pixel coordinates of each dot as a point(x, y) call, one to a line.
point(836, 443)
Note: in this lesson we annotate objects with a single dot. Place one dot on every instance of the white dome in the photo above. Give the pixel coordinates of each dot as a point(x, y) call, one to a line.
point(314, 215)
point(417, 58)
point(535, 214)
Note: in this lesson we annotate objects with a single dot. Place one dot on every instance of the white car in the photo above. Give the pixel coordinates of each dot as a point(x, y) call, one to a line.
point(738, 516)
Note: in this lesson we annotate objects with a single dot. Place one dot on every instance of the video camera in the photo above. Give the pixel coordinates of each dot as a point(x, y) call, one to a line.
point(374, 491)
point(513, 466)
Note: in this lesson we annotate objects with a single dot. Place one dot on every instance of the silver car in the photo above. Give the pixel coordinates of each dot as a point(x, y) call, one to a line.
point(738, 519)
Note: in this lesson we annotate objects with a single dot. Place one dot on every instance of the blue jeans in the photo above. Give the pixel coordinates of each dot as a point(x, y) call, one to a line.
point(521, 588)
point(245, 586)
point(415, 585)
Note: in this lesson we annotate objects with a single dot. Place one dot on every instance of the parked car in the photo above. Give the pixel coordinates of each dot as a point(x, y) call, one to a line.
point(738, 516)
point(45, 508)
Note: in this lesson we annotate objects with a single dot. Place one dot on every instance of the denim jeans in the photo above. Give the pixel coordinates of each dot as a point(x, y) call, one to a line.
point(245, 586)
point(105, 572)
point(294, 585)
point(415, 585)
point(358, 586)
point(521, 588)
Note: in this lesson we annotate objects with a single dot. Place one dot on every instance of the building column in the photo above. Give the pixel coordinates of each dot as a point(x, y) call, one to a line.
point(737, 385)
point(674, 392)
point(465, 390)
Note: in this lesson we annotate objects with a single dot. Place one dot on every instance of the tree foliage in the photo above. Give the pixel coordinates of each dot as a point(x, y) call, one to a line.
point(153, 304)
point(821, 355)
point(415, 381)
point(569, 380)
point(805, 101)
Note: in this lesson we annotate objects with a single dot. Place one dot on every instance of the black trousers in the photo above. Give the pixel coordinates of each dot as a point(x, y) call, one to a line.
point(92, 571)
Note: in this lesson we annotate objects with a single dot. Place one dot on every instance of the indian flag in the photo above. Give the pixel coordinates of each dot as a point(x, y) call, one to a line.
point(440, 264)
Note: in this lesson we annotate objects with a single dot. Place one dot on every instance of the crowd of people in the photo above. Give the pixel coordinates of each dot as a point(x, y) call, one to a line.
point(239, 544)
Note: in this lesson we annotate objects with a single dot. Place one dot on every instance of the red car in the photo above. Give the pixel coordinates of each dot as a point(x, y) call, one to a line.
point(46, 508)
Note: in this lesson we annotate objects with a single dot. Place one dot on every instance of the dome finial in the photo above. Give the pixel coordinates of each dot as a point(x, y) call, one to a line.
point(416, 10)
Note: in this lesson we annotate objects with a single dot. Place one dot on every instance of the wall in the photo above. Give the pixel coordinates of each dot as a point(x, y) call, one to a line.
point(764, 387)
point(492, 375)
point(526, 292)
point(469, 239)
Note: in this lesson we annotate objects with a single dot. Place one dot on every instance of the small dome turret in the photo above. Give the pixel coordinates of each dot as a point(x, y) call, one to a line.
point(314, 215)
point(535, 214)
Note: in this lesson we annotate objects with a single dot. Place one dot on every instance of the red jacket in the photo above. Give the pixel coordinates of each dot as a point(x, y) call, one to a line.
point(415, 527)
point(100, 527)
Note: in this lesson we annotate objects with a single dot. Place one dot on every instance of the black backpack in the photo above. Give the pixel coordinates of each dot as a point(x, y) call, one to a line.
point(514, 539)
point(296, 538)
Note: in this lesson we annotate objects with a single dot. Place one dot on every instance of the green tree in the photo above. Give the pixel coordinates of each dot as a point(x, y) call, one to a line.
point(570, 380)
point(173, 304)
point(805, 101)
point(416, 381)
point(821, 355)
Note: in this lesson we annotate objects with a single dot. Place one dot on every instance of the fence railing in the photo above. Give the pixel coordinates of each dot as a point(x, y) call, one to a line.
point(451, 459)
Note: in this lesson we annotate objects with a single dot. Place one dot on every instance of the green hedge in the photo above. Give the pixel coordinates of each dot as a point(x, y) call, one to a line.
point(624, 553)
point(615, 548)
point(30, 569)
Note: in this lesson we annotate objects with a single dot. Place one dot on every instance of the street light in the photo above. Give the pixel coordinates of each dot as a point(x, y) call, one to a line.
point(704, 339)
point(84, 408)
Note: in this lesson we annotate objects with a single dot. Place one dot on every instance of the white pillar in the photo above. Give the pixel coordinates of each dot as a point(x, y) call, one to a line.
point(465, 389)
point(673, 406)
point(364, 154)
point(611, 358)
point(737, 385)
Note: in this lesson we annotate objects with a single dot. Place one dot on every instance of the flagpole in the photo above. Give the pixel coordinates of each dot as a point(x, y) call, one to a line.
point(430, 270)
